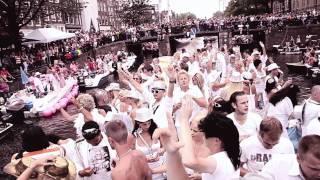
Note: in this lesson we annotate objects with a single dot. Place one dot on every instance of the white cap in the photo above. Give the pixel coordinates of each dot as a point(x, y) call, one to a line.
point(158, 85)
point(143, 115)
point(272, 67)
point(37, 74)
point(133, 95)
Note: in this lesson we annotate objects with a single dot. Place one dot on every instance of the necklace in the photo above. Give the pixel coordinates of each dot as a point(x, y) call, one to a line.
point(124, 154)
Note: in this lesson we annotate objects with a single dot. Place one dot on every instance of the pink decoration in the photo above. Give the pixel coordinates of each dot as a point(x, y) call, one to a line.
point(47, 113)
point(53, 110)
point(69, 96)
point(57, 106)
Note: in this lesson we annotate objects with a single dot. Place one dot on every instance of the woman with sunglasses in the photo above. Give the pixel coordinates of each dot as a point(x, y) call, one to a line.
point(143, 131)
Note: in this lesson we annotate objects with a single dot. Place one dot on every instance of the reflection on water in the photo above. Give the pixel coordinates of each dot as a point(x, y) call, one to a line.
point(57, 125)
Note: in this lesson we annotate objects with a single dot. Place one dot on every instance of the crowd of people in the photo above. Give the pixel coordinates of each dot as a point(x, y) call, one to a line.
point(209, 114)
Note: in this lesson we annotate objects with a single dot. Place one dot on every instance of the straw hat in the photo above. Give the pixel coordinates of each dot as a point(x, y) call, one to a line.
point(143, 115)
point(272, 67)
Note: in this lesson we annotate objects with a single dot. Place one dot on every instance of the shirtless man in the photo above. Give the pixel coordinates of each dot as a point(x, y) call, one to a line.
point(132, 164)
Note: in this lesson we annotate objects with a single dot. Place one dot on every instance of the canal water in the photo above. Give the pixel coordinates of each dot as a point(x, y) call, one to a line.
point(57, 125)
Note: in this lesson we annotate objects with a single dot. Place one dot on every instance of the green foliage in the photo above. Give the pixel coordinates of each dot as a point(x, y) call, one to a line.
point(185, 16)
point(247, 7)
point(136, 12)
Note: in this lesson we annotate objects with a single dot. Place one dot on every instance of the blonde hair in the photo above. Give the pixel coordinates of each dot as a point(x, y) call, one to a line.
point(86, 101)
point(182, 72)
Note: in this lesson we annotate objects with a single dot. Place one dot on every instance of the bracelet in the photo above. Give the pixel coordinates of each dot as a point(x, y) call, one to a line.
point(173, 82)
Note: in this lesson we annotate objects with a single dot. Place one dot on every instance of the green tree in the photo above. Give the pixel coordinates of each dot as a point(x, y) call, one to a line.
point(218, 14)
point(185, 16)
point(136, 12)
point(247, 7)
point(16, 14)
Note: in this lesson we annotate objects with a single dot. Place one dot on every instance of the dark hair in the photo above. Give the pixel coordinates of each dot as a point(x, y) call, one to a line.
point(148, 68)
point(34, 139)
point(289, 91)
point(53, 138)
point(152, 128)
point(184, 66)
point(222, 106)
point(90, 125)
point(270, 84)
point(219, 126)
point(233, 97)
point(310, 144)
point(257, 62)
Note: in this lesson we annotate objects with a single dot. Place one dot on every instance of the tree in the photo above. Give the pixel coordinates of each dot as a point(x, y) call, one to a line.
point(218, 14)
point(247, 7)
point(16, 14)
point(185, 16)
point(136, 12)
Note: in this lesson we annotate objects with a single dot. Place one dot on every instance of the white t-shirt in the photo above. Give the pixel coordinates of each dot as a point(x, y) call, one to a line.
point(97, 117)
point(159, 109)
point(250, 126)
point(178, 94)
point(97, 157)
point(313, 127)
point(255, 155)
point(282, 110)
point(224, 169)
point(283, 167)
point(311, 111)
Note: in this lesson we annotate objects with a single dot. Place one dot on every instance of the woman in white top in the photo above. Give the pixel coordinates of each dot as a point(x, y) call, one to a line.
point(222, 139)
point(143, 131)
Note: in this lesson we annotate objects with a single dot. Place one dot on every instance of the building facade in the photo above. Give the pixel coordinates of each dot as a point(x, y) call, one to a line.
point(303, 5)
point(281, 6)
point(59, 14)
point(108, 17)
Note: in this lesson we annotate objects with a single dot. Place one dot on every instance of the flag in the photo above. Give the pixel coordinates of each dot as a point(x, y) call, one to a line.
point(24, 77)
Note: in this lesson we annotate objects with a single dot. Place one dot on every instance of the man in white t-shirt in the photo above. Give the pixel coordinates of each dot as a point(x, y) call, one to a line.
point(313, 127)
point(303, 166)
point(311, 108)
point(94, 154)
point(246, 122)
point(257, 150)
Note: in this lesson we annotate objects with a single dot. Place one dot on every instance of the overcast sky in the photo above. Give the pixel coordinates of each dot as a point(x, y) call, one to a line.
point(202, 8)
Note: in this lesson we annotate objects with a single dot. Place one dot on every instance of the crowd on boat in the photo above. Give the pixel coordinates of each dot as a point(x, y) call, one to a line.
point(209, 113)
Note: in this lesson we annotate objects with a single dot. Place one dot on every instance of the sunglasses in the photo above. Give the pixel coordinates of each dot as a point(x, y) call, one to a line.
point(137, 79)
point(89, 133)
point(143, 122)
point(156, 91)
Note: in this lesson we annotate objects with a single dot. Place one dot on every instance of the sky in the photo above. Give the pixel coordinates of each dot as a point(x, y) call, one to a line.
point(201, 8)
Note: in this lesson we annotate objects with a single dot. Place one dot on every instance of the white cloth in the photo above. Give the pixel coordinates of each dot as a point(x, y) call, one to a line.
point(224, 169)
point(312, 109)
point(178, 94)
point(250, 126)
point(313, 127)
point(255, 155)
point(283, 167)
point(193, 68)
point(159, 109)
point(98, 157)
point(97, 117)
point(221, 64)
point(282, 111)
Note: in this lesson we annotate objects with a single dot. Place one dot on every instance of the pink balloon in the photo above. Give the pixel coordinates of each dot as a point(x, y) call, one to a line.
point(47, 113)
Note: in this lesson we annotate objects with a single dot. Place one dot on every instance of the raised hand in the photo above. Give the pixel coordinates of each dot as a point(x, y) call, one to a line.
point(171, 73)
point(167, 139)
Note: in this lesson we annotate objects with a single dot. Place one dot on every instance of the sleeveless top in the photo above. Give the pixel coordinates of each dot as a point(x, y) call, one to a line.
point(149, 152)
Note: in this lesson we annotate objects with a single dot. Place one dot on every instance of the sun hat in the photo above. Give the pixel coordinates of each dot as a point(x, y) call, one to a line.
point(143, 115)
point(133, 95)
point(158, 85)
point(272, 67)
point(113, 87)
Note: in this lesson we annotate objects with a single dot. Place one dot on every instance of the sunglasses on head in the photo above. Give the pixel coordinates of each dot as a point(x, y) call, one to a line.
point(156, 91)
point(90, 133)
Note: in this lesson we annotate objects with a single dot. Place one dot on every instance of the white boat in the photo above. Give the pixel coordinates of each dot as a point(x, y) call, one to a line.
point(290, 52)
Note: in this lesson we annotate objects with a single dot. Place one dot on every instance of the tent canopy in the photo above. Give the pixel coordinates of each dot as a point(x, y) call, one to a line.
point(47, 35)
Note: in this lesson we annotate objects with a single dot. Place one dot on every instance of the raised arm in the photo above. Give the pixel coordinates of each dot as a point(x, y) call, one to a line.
point(189, 158)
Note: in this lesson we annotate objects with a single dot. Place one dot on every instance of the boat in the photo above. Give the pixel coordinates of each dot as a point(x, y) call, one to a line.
point(298, 68)
point(290, 52)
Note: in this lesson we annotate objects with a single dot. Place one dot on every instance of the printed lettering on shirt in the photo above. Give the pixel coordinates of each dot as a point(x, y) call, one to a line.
point(261, 157)
point(100, 159)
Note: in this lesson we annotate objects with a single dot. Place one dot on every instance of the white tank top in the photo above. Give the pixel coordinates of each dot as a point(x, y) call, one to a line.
point(224, 169)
